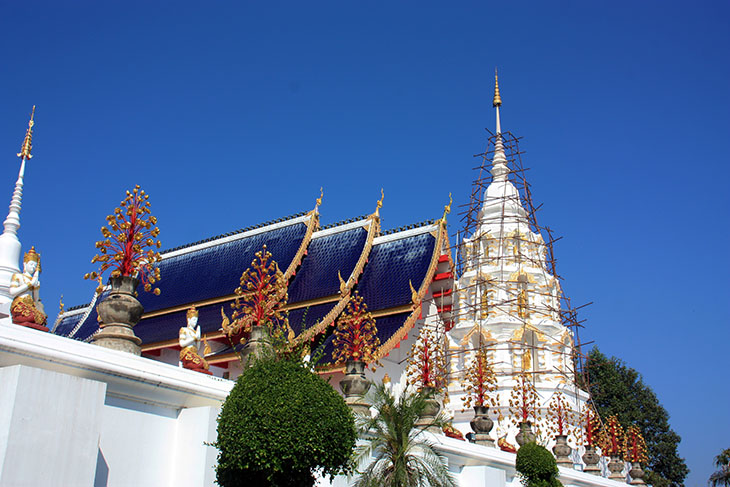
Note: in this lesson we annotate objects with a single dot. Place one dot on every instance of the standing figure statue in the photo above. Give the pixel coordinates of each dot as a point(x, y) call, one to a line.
point(26, 308)
point(190, 342)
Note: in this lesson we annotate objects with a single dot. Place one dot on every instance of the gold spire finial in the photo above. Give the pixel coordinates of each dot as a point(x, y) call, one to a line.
point(26, 147)
point(497, 101)
point(321, 195)
point(61, 309)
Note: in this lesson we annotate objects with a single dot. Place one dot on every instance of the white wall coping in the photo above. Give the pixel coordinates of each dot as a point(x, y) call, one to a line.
point(127, 376)
point(463, 453)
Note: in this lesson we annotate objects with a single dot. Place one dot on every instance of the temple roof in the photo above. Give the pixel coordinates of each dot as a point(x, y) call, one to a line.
point(323, 267)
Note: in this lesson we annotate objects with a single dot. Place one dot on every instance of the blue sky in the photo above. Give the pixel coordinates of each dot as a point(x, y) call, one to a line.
point(234, 113)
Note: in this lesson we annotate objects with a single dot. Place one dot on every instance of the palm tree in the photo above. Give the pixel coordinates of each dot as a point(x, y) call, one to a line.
point(402, 456)
point(722, 475)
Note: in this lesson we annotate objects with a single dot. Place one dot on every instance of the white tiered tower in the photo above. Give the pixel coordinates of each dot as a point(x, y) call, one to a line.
point(9, 243)
point(508, 303)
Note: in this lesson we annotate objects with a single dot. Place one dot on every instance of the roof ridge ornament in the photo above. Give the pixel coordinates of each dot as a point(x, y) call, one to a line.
point(343, 284)
point(319, 200)
point(447, 209)
point(379, 203)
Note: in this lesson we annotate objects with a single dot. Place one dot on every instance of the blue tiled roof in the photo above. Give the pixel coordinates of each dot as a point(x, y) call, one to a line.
point(298, 322)
point(386, 326)
point(67, 324)
point(215, 271)
point(90, 324)
point(317, 276)
point(167, 326)
point(384, 283)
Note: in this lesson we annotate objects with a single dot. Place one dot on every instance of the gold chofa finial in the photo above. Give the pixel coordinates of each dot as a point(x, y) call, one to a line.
point(379, 204)
point(447, 208)
point(497, 101)
point(60, 306)
point(27, 142)
point(321, 195)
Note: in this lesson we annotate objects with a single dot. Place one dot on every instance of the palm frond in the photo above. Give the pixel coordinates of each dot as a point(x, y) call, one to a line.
point(401, 454)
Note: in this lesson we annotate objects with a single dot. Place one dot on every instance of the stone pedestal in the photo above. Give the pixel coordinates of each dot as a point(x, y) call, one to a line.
point(118, 313)
point(637, 474)
point(562, 451)
point(525, 435)
point(591, 459)
point(482, 425)
point(616, 467)
point(257, 345)
point(429, 412)
point(354, 386)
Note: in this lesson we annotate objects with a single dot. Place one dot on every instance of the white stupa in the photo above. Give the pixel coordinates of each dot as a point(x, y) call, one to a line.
point(509, 303)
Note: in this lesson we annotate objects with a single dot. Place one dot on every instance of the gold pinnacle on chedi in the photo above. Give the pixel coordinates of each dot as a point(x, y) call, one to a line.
point(497, 101)
point(27, 142)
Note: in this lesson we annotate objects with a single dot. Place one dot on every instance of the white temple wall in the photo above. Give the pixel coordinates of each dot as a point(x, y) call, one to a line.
point(49, 427)
point(111, 419)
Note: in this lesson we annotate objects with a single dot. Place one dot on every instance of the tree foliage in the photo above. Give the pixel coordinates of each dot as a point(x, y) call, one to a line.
point(402, 456)
point(721, 477)
point(619, 390)
point(537, 466)
point(280, 424)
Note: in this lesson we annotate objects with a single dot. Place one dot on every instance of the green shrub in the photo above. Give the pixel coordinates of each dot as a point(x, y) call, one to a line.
point(281, 424)
point(537, 466)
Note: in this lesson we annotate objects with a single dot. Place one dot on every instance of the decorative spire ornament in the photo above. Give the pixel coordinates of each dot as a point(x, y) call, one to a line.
point(379, 204)
point(355, 334)
point(612, 445)
point(130, 243)
point(499, 161)
point(523, 408)
point(9, 243)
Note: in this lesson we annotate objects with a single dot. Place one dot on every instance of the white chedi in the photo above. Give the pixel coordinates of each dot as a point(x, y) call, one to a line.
point(509, 304)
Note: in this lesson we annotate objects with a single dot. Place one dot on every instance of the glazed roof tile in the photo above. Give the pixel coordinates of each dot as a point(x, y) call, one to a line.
point(167, 326)
point(67, 323)
point(327, 255)
point(304, 318)
point(212, 271)
point(392, 265)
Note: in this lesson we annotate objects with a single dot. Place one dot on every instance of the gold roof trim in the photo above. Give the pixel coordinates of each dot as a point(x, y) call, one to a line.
point(386, 347)
point(312, 226)
point(346, 290)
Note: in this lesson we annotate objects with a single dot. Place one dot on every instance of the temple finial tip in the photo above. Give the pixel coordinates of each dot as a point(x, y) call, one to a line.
point(497, 101)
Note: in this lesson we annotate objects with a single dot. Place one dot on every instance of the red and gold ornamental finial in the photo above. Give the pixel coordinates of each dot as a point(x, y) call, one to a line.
point(260, 300)
point(635, 447)
point(480, 382)
point(427, 361)
point(356, 333)
point(27, 142)
point(130, 242)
